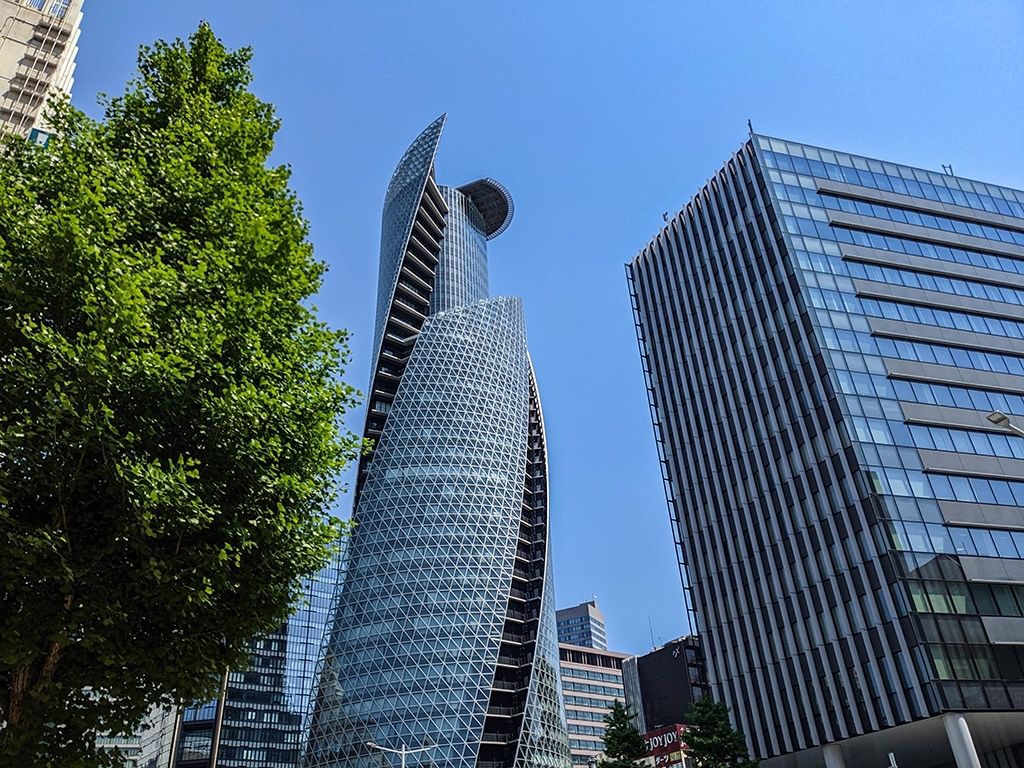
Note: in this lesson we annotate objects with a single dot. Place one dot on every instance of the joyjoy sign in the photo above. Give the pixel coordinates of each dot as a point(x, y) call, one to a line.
point(666, 745)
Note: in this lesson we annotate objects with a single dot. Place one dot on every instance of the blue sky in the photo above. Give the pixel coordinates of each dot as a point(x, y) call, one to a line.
point(598, 117)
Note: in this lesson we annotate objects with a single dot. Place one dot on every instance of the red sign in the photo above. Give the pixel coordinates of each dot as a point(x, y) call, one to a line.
point(666, 745)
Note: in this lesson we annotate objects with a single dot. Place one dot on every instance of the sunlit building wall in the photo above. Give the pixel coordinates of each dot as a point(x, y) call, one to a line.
point(38, 46)
point(591, 684)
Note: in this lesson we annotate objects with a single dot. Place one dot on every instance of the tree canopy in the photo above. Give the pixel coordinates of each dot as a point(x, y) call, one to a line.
point(169, 402)
point(712, 741)
point(623, 744)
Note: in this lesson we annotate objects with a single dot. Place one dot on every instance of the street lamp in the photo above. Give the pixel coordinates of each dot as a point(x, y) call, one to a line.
point(405, 751)
point(401, 752)
point(1000, 419)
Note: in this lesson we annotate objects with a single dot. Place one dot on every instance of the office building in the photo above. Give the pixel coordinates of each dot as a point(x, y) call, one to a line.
point(591, 684)
point(156, 738)
point(38, 46)
point(582, 624)
point(662, 685)
point(262, 718)
point(127, 748)
point(444, 637)
point(824, 337)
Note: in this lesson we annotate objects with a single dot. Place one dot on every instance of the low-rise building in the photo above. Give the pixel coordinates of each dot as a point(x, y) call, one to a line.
point(591, 684)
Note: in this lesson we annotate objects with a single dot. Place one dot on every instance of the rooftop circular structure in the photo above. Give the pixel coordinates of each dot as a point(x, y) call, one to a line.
point(494, 203)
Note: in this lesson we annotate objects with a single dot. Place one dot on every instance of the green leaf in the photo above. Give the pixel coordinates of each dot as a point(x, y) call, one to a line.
point(169, 401)
point(713, 742)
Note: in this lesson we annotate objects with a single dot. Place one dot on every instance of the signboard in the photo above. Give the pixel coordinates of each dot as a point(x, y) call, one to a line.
point(666, 745)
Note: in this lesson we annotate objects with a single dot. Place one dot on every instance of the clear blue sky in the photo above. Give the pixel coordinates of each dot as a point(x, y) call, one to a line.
point(598, 117)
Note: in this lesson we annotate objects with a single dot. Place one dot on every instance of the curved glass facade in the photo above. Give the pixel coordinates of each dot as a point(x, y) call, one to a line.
point(463, 253)
point(443, 635)
point(403, 198)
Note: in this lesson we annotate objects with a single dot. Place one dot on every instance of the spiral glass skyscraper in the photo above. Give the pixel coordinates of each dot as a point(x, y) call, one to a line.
point(444, 635)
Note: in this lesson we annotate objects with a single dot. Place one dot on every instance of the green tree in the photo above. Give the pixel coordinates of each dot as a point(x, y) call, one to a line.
point(712, 741)
point(623, 744)
point(169, 403)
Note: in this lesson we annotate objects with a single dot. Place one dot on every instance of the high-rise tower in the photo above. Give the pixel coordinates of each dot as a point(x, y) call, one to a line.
point(262, 717)
point(444, 635)
point(38, 45)
point(582, 624)
point(824, 338)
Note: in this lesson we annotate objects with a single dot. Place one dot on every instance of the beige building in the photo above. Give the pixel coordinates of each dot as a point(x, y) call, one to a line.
point(591, 683)
point(38, 45)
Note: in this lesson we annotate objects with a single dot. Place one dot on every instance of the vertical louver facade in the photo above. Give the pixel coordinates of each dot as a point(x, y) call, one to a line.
point(824, 337)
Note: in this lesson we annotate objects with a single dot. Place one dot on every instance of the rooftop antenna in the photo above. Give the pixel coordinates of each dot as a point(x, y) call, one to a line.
point(750, 127)
point(664, 216)
point(948, 169)
point(650, 627)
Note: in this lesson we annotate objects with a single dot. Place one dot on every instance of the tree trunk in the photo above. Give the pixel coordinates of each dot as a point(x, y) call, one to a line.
point(22, 683)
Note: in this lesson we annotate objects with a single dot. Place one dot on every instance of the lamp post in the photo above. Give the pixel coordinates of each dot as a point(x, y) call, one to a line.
point(1000, 419)
point(218, 724)
point(401, 752)
point(404, 751)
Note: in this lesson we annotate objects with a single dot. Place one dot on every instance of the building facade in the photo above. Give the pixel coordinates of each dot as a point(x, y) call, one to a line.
point(591, 684)
point(823, 337)
point(582, 624)
point(38, 46)
point(262, 718)
point(444, 635)
point(634, 695)
point(156, 739)
point(662, 685)
point(128, 748)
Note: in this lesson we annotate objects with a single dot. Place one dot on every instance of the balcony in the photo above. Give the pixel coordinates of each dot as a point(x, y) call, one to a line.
point(524, 574)
point(495, 738)
point(504, 711)
point(508, 686)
